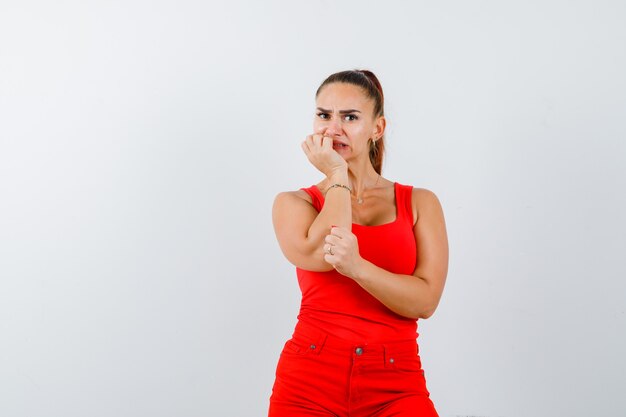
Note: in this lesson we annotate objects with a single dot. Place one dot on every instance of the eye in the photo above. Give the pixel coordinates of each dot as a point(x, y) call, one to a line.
point(322, 115)
point(351, 117)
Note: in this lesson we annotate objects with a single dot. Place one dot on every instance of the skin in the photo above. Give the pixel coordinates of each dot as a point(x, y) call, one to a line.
point(307, 237)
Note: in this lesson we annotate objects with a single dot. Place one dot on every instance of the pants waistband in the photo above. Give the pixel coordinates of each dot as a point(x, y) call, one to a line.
point(308, 335)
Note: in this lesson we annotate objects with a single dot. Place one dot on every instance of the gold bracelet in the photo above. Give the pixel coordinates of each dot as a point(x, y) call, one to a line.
point(339, 185)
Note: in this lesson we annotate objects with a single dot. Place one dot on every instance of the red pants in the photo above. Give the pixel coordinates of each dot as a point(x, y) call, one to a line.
point(321, 375)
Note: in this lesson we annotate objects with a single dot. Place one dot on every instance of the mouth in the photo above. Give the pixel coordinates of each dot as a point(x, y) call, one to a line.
point(339, 145)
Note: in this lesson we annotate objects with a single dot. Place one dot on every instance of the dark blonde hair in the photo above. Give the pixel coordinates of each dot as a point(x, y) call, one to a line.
point(370, 84)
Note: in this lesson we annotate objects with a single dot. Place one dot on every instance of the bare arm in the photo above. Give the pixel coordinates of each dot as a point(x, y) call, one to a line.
point(299, 228)
point(416, 295)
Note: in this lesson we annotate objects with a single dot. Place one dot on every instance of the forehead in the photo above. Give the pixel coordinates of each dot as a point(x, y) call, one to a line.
point(339, 96)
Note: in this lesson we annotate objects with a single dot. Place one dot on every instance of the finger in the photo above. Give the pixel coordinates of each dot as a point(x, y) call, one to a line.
point(327, 142)
point(305, 148)
point(326, 248)
point(332, 240)
point(340, 232)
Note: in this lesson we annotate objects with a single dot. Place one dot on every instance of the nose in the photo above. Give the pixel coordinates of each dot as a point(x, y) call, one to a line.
point(332, 128)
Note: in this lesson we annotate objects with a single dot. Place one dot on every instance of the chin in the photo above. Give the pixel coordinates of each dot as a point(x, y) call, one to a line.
point(343, 152)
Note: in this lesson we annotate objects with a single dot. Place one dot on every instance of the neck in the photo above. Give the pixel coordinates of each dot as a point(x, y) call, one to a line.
point(362, 177)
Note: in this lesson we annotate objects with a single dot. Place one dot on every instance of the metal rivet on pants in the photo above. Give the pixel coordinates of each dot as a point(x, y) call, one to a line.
point(312, 346)
point(358, 351)
point(391, 360)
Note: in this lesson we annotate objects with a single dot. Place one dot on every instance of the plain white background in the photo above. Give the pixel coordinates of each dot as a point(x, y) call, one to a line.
point(142, 144)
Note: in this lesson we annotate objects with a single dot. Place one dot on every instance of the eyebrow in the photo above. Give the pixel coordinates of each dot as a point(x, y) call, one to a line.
point(340, 111)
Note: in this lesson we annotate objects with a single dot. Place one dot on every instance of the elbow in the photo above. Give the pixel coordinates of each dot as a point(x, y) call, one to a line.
point(316, 267)
point(426, 314)
point(423, 312)
point(419, 314)
point(426, 308)
point(310, 260)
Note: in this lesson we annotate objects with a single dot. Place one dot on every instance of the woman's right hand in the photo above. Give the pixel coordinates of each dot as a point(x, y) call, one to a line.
point(319, 150)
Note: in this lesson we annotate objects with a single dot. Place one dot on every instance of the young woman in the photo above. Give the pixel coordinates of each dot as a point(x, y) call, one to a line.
point(371, 257)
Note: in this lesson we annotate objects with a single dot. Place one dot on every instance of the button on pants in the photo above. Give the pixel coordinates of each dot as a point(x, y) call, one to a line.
point(321, 375)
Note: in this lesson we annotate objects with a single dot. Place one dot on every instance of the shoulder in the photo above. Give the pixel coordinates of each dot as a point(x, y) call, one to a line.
point(292, 198)
point(292, 207)
point(418, 195)
point(424, 195)
point(424, 201)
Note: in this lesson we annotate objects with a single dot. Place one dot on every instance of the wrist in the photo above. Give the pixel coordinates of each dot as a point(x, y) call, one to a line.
point(360, 272)
point(339, 176)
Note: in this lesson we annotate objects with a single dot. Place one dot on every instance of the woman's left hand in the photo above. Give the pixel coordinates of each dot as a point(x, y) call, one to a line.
point(341, 250)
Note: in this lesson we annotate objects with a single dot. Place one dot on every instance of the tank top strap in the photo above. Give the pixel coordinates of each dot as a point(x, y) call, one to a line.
point(316, 196)
point(404, 200)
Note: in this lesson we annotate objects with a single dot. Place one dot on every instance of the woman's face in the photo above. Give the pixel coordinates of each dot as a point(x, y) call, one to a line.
point(344, 113)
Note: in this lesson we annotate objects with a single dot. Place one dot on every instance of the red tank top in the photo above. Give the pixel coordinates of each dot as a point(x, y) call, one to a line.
point(338, 305)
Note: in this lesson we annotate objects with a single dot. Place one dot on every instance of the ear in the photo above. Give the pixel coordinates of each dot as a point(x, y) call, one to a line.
point(379, 127)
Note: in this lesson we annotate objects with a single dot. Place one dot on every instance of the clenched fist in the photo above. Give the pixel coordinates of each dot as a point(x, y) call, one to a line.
point(319, 150)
